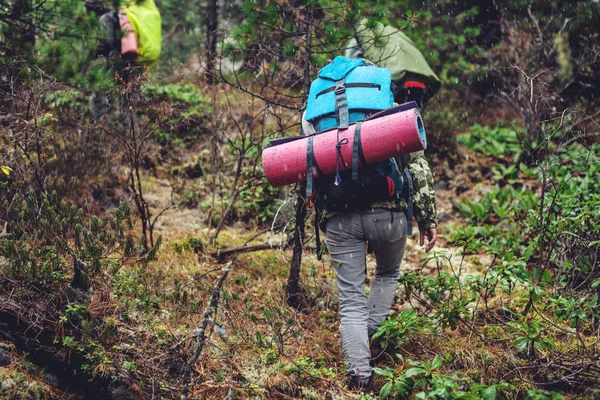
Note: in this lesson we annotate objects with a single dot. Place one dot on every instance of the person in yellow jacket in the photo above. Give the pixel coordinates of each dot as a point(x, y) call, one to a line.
point(143, 16)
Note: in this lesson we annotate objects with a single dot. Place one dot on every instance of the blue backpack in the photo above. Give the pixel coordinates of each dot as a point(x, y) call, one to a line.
point(348, 91)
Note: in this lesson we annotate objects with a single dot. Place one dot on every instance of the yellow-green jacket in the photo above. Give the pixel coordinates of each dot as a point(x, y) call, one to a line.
point(146, 22)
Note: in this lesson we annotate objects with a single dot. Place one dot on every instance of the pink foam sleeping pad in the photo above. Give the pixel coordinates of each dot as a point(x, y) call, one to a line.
point(129, 43)
point(381, 138)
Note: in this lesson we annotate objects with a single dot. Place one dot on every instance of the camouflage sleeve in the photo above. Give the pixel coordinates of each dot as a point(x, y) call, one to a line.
point(424, 197)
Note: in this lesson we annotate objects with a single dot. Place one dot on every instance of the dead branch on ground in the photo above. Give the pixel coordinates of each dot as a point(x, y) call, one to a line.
point(204, 328)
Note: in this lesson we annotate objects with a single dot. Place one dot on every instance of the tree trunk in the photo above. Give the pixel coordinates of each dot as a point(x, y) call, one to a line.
point(21, 38)
point(212, 19)
point(294, 277)
point(19, 41)
point(293, 282)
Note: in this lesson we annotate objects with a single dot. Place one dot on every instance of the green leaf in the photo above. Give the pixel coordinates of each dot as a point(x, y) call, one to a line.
point(464, 396)
point(386, 390)
point(556, 396)
point(437, 362)
point(546, 277)
point(389, 373)
point(378, 333)
point(414, 372)
point(528, 252)
point(490, 393)
point(522, 345)
point(400, 388)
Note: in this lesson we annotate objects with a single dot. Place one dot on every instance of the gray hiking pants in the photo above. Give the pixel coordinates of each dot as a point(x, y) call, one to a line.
point(385, 230)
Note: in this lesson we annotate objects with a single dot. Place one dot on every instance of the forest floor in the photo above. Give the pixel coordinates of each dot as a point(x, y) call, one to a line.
point(140, 326)
point(280, 352)
point(259, 347)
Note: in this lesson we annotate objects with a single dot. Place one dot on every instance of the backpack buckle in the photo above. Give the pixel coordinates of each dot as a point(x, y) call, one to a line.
point(340, 87)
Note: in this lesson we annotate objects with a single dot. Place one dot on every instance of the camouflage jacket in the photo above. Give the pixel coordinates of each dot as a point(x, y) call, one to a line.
point(424, 208)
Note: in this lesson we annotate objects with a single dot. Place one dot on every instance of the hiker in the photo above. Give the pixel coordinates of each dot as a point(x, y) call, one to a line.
point(388, 47)
point(141, 18)
point(131, 43)
point(383, 224)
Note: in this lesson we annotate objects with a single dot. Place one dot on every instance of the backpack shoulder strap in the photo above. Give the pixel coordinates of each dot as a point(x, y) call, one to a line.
point(403, 160)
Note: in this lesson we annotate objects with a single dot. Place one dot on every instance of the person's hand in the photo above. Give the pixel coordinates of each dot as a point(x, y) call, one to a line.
point(431, 234)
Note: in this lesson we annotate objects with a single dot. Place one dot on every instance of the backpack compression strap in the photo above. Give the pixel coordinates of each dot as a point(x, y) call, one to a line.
point(310, 163)
point(341, 104)
point(357, 151)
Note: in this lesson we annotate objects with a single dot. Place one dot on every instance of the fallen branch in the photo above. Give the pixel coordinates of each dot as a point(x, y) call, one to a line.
point(210, 310)
point(222, 254)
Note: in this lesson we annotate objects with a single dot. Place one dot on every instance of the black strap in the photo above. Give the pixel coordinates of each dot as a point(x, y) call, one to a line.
point(339, 157)
point(310, 156)
point(311, 162)
point(357, 151)
point(349, 85)
point(409, 210)
point(403, 161)
point(341, 105)
point(317, 233)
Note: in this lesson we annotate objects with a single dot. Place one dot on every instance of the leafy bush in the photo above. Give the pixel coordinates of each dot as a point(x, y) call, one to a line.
point(499, 141)
point(178, 93)
point(180, 110)
point(403, 327)
point(48, 235)
point(545, 245)
point(423, 380)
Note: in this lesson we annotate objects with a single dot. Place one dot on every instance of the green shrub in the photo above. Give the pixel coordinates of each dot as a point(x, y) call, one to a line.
point(498, 141)
point(48, 234)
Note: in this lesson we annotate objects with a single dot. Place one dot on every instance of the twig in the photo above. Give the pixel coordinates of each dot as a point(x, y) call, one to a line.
point(256, 235)
point(4, 232)
point(577, 138)
point(537, 27)
point(210, 310)
point(221, 254)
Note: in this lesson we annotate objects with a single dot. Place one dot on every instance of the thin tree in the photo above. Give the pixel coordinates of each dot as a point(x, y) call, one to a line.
point(212, 24)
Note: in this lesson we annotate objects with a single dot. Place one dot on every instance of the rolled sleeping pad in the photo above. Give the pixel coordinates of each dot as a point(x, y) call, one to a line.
point(129, 43)
point(389, 133)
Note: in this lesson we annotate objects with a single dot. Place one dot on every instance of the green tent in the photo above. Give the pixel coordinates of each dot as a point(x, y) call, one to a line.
point(145, 19)
point(388, 47)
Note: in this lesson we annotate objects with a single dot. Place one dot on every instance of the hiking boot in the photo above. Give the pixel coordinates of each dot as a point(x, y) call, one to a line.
point(356, 382)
